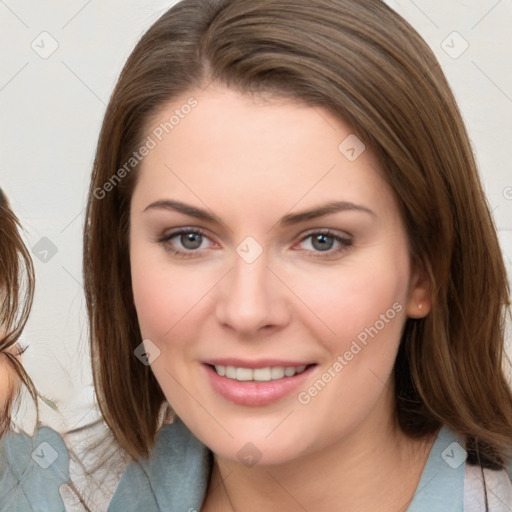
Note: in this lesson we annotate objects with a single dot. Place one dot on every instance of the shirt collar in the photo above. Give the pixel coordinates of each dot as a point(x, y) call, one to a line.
point(441, 486)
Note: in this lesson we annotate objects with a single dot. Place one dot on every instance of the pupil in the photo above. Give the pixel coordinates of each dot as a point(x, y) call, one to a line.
point(322, 242)
point(191, 240)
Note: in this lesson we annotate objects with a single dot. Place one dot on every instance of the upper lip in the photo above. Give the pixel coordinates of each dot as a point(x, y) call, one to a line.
point(259, 363)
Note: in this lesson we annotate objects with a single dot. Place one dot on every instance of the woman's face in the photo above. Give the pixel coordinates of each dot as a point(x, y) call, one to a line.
point(270, 273)
point(8, 377)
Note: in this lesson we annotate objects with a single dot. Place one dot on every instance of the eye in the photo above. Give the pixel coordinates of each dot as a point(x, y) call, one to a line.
point(185, 242)
point(325, 241)
point(189, 242)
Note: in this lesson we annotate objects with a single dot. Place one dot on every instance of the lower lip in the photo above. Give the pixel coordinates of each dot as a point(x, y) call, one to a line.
point(255, 394)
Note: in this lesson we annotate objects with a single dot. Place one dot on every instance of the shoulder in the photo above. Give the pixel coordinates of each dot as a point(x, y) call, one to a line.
point(508, 468)
point(450, 483)
point(32, 468)
point(176, 473)
point(480, 485)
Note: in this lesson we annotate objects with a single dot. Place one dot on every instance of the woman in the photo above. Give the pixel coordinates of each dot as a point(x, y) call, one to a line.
point(16, 292)
point(35, 470)
point(32, 469)
point(288, 243)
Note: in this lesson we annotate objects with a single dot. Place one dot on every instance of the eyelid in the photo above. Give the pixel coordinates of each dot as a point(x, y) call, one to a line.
point(183, 230)
point(164, 240)
point(326, 231)
point(344, 241)
point(186, 229)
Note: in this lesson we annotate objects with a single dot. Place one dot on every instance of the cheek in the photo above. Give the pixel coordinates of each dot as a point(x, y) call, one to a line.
point(365, 307)
point(8, 381)
point(164, 295)
point(369, 293)
point(157, 300)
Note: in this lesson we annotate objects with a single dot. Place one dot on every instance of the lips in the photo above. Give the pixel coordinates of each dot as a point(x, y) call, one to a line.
point(256, 383)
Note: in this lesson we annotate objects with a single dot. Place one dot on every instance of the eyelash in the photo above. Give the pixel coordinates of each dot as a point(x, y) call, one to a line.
point(345, 243)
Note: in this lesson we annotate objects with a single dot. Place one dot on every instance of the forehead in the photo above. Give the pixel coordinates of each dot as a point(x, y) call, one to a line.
point(254, 151)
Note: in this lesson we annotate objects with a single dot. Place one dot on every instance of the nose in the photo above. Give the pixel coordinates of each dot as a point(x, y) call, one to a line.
point(252, 299)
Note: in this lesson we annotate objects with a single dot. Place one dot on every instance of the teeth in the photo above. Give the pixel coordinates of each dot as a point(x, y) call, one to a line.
point(289, 371)
point(244, 374)
point(262, 374)
point(277, 372)
point(258, 374)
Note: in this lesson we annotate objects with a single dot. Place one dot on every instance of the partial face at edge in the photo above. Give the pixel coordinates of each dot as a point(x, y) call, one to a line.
point(253, 286)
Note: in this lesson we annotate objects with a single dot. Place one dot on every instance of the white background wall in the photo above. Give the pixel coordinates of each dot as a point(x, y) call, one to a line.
point(51, 111)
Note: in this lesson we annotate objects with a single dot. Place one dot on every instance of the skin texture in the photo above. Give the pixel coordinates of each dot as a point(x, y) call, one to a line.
point(250, 161)
point(8, 377)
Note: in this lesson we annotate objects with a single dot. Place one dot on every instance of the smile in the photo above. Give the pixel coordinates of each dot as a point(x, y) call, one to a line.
point(258, 374)
point(257, 383)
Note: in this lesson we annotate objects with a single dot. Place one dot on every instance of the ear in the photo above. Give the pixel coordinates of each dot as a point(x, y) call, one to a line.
point(419, 301)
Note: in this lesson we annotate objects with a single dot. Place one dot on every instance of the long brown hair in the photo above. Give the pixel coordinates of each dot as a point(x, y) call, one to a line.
point(365, 64)
point(16, 295)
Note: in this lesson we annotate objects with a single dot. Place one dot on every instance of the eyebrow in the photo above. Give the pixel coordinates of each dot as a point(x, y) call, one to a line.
point(287, 220)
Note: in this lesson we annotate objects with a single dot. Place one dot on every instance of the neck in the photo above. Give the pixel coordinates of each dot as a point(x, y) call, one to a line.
point(372, 468)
